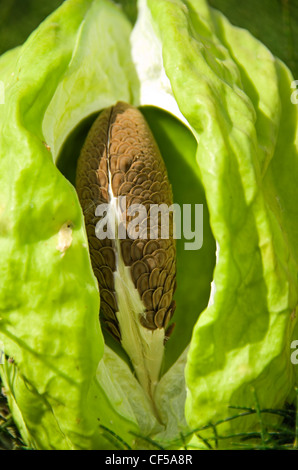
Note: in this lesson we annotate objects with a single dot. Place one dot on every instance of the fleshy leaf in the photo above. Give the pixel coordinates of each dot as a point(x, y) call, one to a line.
point(236, 97)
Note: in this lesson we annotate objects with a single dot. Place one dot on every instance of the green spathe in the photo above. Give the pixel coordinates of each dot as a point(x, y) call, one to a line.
point(66, 388)
point(243, 100)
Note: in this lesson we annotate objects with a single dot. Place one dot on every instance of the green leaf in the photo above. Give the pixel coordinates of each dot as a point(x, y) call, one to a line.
point(237, 98)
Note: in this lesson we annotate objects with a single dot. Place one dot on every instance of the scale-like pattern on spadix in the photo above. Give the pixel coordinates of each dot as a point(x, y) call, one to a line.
point(120, 166)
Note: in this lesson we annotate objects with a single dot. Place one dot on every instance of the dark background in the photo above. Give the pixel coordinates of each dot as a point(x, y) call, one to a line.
point(274, 22)
point(18, 18)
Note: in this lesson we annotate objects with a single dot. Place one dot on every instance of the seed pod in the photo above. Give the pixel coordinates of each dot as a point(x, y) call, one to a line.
point(120, 169)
